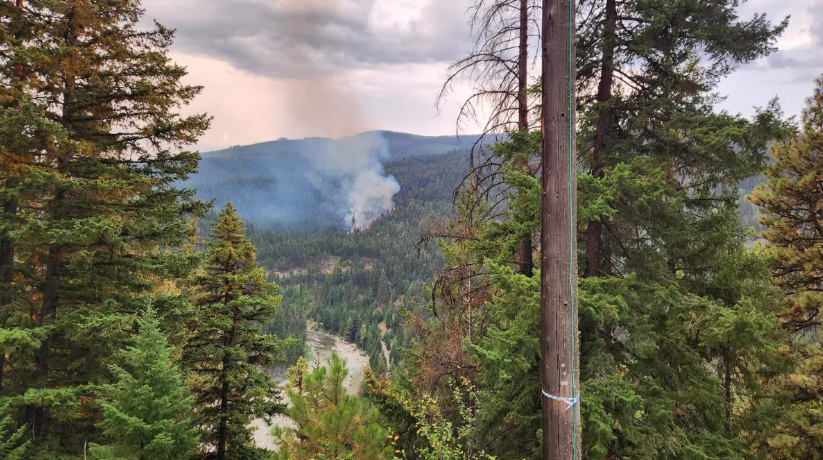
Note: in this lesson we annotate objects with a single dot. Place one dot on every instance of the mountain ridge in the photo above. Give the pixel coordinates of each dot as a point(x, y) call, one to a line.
point(400, 144)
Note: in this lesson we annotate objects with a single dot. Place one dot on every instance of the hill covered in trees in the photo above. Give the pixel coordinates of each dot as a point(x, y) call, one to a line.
point(314, 183)
point(358, 283)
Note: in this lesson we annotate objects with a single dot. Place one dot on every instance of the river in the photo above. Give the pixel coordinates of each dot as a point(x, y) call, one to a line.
point(323, 344)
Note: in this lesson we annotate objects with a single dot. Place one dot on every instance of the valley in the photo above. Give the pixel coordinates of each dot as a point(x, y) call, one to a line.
point(358, 284)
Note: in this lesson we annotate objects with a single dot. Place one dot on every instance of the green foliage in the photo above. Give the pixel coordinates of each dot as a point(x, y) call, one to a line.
point(290, 322)
point(509, 356)
point(664, 371)
point(13, 443)
point(349, 280)
point(445, 440)
point(682, 353)
point(678, 327)
point(791, 205)
point(296, 374)
point(147, 411)
point(227, 348)
point(93, 151)
point(330, 424)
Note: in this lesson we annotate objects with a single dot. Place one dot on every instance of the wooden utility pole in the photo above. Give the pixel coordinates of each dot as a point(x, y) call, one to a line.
point(558, 294)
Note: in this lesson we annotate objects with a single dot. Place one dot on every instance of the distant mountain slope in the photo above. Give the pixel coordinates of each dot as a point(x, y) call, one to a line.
point(314, 181)
point(360, 285)
point(404, 145)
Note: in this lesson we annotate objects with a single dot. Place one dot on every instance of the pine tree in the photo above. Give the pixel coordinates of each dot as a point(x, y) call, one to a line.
point(99, 213)
point(147, 411)
point(227, 348)
point(791, 206)
point(673, 370)
point(651, 135)
point(25, 131)
point(329, 423)
point(296, 374)
point(19, 335)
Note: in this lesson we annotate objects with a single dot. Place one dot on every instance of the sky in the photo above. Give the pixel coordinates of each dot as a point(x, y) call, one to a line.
point(332, 68)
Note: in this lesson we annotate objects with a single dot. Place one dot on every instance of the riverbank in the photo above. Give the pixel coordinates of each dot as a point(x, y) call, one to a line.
point(321, 345)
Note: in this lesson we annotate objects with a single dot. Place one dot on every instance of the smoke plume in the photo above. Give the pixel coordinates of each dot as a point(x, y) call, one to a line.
point(355, 163)
point(315, 182)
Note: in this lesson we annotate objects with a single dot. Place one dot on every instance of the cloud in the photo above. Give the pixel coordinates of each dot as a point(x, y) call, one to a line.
point(796, 57)
point(316, 38)
point(799, 59)
point(816, 30)
point(250, 108)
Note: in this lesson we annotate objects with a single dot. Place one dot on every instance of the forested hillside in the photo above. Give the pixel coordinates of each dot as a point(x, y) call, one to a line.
point(359, 283)
point(313, 184)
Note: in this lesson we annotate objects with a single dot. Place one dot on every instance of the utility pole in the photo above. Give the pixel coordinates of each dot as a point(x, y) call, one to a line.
point(558, 294)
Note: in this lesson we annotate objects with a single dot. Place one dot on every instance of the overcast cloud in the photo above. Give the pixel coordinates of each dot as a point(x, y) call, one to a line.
point(315, 38)
point(787, 74)
point(297, 68)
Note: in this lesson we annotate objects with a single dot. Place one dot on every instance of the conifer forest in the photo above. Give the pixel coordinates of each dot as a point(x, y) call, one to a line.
point(180, 282)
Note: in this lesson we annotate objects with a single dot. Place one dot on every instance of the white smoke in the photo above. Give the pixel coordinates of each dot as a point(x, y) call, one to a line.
point(355, 164)
point(370, 198)
point(315, 182)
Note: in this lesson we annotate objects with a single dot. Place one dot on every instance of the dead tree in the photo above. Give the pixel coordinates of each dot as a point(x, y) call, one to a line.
point(498, 67)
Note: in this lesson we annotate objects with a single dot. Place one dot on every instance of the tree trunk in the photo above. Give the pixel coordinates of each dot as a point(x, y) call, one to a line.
point(53, 282)
point(526, 257)
point(558, 307)
point(222, 432)
point(223, 429)
point(7, 254)
point(728, 387)
point(6, 243)
point(37, 416)
point(6, 273)
point(523, 68)
point(7, 250)
point(594, 231)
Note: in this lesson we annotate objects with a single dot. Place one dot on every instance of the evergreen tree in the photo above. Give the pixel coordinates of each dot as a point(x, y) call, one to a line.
point(19, 335)
point(98, 210)
point(646, 82)
point(147, 411)
point(791, 206)
point(25, 131)
point(13, 443)
point(296, 374)
point(331, 424)
point(227, 348)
